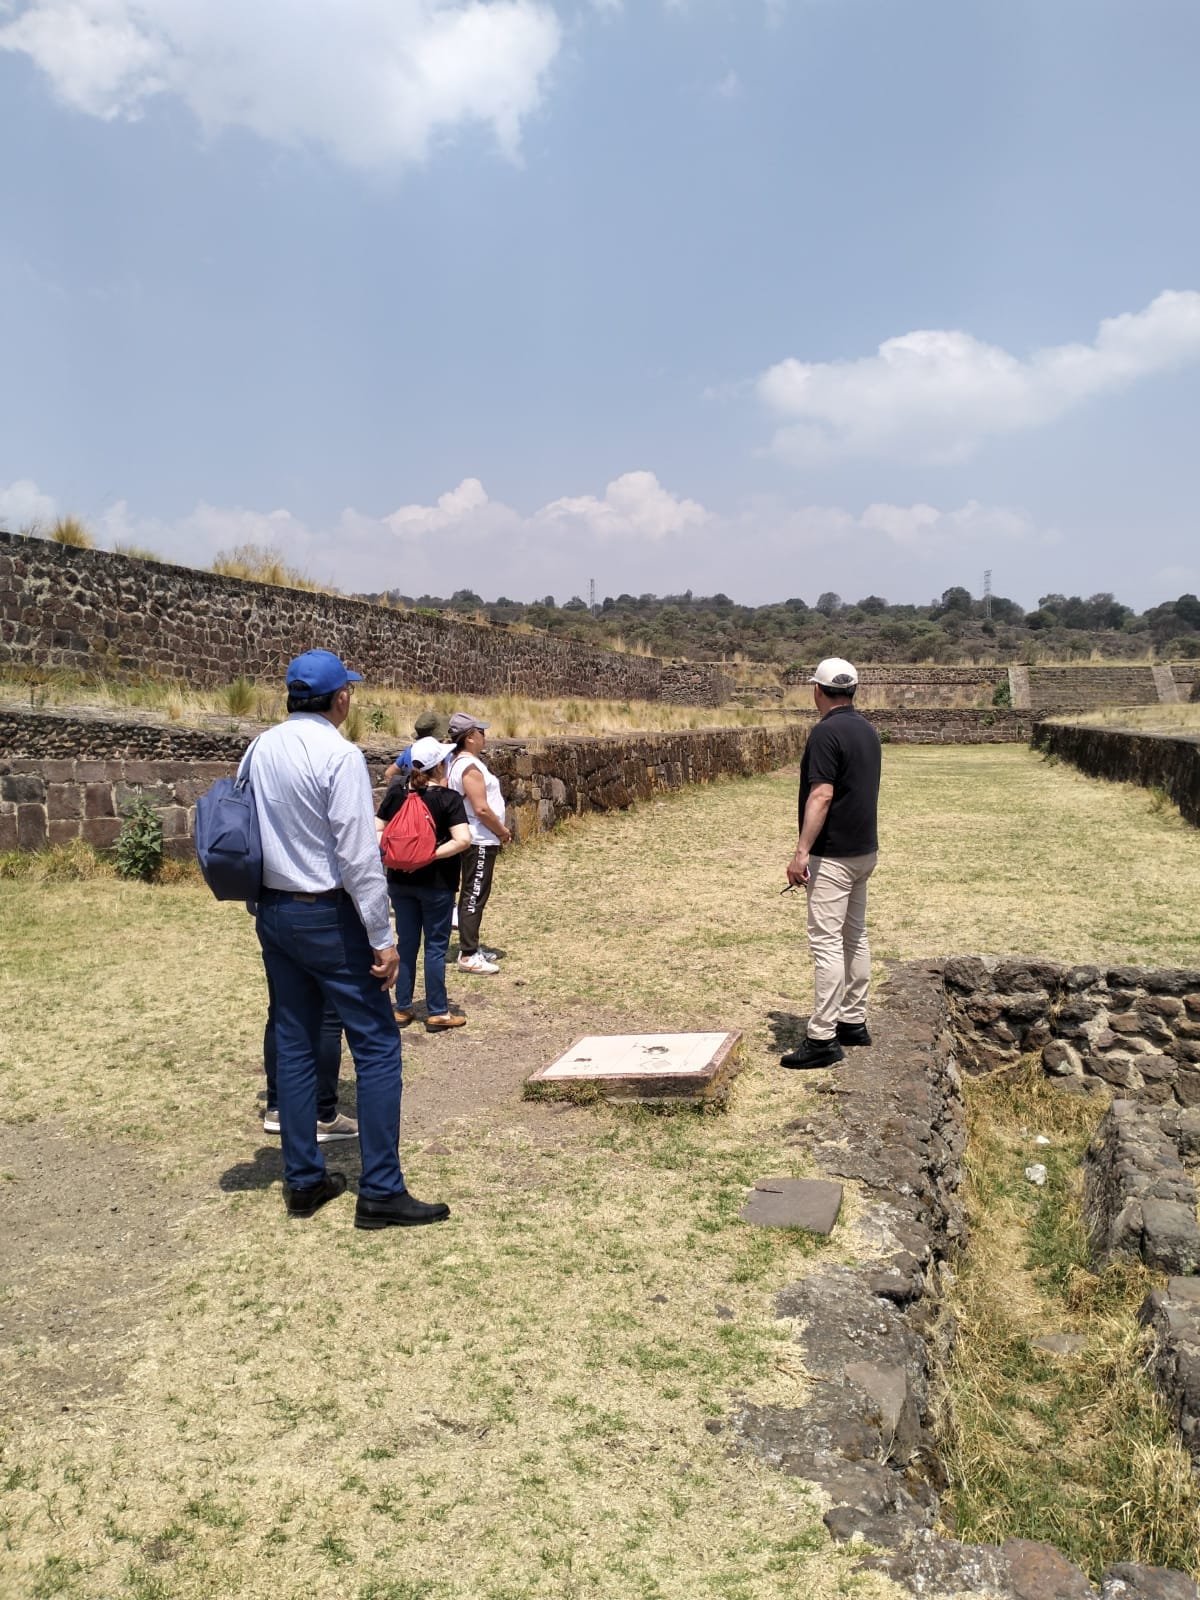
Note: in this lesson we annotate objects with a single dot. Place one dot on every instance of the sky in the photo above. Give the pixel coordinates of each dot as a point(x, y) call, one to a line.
point(768, 297)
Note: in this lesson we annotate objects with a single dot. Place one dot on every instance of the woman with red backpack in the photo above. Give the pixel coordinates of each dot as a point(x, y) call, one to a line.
point(423, 896)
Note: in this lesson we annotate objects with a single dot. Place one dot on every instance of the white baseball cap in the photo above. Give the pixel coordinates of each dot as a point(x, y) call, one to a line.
point(834, 673)
point(429, 753)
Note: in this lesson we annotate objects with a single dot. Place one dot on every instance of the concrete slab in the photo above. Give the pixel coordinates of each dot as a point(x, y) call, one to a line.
point(643, 1067)
point(810, 1203)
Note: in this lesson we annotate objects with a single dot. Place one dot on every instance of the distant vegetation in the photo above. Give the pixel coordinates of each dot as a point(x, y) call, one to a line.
point(958, 627)
point(955, 628)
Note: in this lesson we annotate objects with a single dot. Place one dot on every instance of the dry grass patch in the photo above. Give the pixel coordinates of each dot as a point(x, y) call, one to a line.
point(1074, 1449)
point(513, 1404)
point(1166, 719)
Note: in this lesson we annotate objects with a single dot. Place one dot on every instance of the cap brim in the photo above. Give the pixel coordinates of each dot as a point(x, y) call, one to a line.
point(353, 677)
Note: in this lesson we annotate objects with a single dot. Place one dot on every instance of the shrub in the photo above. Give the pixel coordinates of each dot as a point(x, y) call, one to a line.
point(138, 851)
point(70, 530)
point(238, 697)
point(1002, 693)
point(135, 552)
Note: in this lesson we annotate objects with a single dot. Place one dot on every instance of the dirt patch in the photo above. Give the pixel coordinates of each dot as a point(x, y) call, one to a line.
point(88, 1234)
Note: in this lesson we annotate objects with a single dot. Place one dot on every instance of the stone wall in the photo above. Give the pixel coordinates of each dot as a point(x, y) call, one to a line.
point(1089, 688)
point(1171, 763)
point(1134, 1029)
point(104, 615)
point(904, 685)
point(64, 778)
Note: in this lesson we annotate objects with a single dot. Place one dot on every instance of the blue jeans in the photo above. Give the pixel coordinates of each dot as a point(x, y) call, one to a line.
point(422, 909)
point(329, 1058)
point(317, 952)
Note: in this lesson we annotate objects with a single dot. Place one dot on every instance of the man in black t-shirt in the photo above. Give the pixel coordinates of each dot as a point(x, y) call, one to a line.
point(836, 854)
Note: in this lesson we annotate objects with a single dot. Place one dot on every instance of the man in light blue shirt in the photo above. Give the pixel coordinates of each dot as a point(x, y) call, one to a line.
point(325, 930)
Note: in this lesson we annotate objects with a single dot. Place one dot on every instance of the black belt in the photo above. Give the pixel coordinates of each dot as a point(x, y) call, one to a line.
point(306, 899)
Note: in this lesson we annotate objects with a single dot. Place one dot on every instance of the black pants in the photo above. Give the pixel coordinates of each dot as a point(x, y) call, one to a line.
point(478, 865)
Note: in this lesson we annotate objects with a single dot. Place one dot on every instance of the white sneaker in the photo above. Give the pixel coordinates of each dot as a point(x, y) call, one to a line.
point(476, 963)
point(271, 1120)
point(341, 1127)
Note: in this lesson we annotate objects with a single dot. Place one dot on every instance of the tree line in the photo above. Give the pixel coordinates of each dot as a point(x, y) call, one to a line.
point(956, 627)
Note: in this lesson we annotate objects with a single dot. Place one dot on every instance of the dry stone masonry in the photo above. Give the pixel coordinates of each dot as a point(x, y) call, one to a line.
point(67, 777)
point(1135, 1029)
point(103, 615)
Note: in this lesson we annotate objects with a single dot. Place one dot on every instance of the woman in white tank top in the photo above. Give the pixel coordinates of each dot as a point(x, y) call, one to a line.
point(480, 789)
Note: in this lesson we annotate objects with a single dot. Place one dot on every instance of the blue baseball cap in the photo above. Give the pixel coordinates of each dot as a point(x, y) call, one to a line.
point(404, 759)
point(319, 672)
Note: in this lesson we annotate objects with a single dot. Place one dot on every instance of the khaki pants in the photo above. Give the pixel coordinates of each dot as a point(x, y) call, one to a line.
point(837, 932)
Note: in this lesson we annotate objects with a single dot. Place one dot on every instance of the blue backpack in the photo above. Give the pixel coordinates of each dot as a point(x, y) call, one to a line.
point(228, 845)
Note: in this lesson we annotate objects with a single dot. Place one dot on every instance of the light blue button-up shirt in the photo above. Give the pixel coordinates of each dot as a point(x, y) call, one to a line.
point(316, 813)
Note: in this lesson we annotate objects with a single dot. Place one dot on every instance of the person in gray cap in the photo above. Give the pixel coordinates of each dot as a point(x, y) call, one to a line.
point(480, 789)
point(326, 937)
point(835, 855)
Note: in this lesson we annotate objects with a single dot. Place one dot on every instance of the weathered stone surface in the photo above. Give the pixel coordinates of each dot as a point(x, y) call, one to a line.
point(1138, 1199)
point(809, 1203)
point(1039, 1572)
point(1128, 1581)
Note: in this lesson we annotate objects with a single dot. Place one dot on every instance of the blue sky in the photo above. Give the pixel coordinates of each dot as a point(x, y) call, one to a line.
point(772, 298)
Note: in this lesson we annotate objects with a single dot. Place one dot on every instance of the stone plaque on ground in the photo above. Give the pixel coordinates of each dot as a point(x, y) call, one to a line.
point(654, 1068)
point(809, 1203)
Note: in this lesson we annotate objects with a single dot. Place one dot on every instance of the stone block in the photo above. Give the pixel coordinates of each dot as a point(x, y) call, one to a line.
point(63, 830)
point(97, 771)
point(1027, 1006)
point(63, 800)
point(809, 1203)
point(1039, 1572)
point(98, 800)
point(1129, 1581)
point(1082, 977)
point(1172, 980)
point(1158, 1069)
point(1171, 1236)
point(1027, 976)
point(1035, 1037)
point(175, 821)
point(8, 830)
point(23, 789)
point(1191, 1003)
point(1159, 1005)
point(101, 831)
point(967, 974)
point(1187, 1084)
point(1125, 1022)
point(1061, 1059)
point(58, 771)
point(31, 827)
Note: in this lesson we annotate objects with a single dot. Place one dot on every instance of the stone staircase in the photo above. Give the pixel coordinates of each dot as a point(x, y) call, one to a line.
point(1091, 688)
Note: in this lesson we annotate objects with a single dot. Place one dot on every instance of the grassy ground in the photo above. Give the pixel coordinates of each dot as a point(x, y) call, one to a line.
point(1075, 1449)
point(202, 1399)
point(1177, 719)
point(376, 712)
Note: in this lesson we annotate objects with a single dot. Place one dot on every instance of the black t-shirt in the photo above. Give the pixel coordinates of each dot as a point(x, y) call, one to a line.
point(447, 809)
point(843, 749)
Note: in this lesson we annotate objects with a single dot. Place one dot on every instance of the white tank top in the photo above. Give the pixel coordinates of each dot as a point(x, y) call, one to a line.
point(491, 785)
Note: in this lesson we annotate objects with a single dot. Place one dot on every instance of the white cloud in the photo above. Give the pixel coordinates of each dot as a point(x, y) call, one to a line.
point(635, 506)
point(23, 505)
point(372, 81)
point(936, 394)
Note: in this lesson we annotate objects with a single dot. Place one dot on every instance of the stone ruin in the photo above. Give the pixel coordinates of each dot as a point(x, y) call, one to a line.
point(872, 1336)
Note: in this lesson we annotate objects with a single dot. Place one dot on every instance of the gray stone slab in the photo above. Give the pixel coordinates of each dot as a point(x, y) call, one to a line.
point(809, 1203)
point(1061, 1344)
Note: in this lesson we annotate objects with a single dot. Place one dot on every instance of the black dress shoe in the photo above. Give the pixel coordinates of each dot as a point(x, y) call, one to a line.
point(304, 1202)
point(398, 1211)
point(814, 1053)
point(853, 1033)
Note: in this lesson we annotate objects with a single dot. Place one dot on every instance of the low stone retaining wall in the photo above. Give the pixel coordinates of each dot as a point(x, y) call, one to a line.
point(1138, 1201)
point(1173, 1315)
point(64, 778)
point(1136, 1029)
point(1159, 761)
